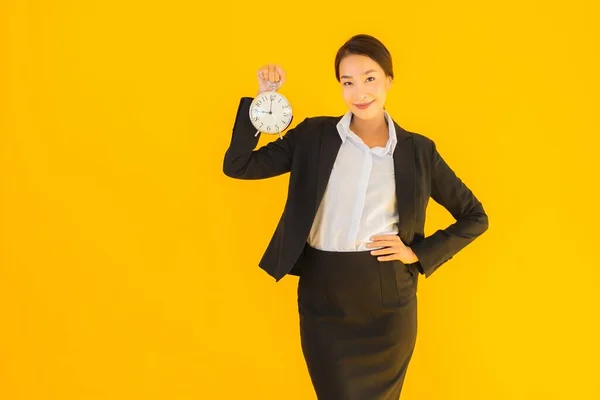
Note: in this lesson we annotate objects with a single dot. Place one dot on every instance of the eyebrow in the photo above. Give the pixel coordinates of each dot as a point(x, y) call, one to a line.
point(364, 73)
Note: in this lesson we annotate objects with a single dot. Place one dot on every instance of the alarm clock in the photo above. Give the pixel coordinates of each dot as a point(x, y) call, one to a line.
point(271, 112)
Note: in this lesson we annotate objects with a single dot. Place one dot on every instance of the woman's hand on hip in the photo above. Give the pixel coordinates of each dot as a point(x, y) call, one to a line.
point(394, 249)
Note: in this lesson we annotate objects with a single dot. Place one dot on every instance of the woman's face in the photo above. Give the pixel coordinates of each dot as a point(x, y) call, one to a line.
point(364, 85)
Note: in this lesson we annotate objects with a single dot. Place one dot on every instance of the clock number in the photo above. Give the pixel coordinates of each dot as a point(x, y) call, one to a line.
point(283, 122)
point(268, 128)
point(277, 127)
point(273, 97)
point(255, 119)
point(285, 114)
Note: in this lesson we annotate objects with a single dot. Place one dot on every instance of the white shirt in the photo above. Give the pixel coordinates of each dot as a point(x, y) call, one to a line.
point(360, 198)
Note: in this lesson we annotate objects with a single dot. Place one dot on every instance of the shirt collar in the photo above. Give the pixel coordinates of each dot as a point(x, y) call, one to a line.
point(343, 127)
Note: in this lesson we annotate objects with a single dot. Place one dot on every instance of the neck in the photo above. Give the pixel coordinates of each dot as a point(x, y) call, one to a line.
point(370, 127)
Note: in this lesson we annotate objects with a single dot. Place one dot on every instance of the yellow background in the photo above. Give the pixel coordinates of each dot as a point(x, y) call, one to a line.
point(128, 261)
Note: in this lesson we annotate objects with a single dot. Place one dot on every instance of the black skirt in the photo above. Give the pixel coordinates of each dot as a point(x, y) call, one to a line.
point(358, 323)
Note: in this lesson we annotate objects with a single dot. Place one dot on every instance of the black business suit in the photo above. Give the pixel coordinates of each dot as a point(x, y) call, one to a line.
point(308, 152)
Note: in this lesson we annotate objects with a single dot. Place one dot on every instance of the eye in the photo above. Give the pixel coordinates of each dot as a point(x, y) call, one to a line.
point(346, 82)
point(371, 77)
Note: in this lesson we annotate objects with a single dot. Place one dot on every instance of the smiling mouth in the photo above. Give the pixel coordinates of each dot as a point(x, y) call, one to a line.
point(364, 105)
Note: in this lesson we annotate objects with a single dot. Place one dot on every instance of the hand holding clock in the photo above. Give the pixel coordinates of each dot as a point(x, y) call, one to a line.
point(268, 75)
point(270, 111)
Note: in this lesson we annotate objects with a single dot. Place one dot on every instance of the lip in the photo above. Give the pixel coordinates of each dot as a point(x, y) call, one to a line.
point(362, 106)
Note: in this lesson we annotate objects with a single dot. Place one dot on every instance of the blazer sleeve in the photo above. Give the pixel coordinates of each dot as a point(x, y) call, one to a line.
point(450, 191)
point(242, 161)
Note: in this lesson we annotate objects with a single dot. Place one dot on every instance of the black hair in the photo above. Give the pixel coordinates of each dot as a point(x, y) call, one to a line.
point(369, 46)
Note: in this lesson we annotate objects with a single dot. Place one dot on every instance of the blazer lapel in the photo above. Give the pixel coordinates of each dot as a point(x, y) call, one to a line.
point(328, 150)
point(405, 177)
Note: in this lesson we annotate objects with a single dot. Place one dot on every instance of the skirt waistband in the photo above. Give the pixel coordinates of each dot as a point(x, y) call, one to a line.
point(343, 255)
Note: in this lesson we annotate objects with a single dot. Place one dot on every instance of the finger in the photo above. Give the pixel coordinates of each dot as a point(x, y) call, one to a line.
point(271, 73)
point(264, 73)
point(388, 243)
point(387, 258)
point(386, 237)
point(281, 74)
point(383, 251)
point(379, 243)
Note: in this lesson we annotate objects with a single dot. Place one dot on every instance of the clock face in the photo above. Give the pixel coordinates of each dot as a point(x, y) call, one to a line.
point(271, 112)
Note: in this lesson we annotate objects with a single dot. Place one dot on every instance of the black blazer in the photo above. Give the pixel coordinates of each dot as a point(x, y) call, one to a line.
point(308, 152)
